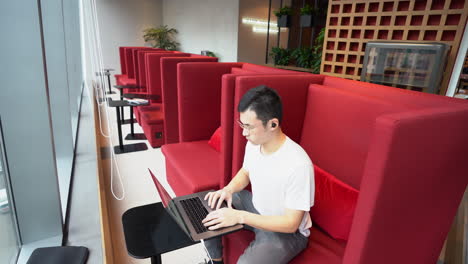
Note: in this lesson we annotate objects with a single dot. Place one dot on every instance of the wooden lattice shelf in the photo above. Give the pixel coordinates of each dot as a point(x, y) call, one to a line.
point(351, 24)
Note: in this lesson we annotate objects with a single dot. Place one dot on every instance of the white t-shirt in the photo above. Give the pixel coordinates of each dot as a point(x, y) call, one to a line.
point(283, 179)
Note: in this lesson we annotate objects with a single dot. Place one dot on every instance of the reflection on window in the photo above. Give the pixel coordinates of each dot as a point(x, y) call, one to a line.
point(9, 245)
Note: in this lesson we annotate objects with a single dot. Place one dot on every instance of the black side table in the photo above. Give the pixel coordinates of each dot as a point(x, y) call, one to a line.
point(120, 88)
point(150, 231)
point(121, 148)
point(133, 135)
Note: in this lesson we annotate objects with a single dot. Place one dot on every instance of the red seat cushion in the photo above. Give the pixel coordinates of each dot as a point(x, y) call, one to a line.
point(127, 81)
point(334, 206)
point(153, 117)
point(192, 166)
point(215, 140)
point(150, 108)
point(320, 249)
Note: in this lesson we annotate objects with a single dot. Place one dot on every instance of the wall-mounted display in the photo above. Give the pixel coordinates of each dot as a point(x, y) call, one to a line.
point(414, 66)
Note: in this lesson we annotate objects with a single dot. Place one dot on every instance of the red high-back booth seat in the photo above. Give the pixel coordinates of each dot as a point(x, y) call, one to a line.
point(127, 65)
point(142, 81)
point(140, 76)
point(153, 118)
point(402, 150)
point(192, 165)
point(150, 74)
point(140, 68)
point(123, 65)
point(169, 84)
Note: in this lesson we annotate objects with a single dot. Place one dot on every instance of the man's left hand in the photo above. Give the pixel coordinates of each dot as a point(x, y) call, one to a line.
point(222, 218)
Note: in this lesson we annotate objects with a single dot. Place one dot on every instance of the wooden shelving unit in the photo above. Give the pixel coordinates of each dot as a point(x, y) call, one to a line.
point(351, 24)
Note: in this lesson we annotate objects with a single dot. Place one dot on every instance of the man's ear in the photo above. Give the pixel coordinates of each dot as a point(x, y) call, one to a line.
point(274, 123)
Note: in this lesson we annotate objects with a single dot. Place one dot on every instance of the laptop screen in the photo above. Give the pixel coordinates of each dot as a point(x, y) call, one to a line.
point(165, 197)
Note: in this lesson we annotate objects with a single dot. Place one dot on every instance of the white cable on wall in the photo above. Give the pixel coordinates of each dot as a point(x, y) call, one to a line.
point(98, 83)
point(97, 92)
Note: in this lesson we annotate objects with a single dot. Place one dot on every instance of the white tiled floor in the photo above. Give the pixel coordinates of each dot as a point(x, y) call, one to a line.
point(131, 179)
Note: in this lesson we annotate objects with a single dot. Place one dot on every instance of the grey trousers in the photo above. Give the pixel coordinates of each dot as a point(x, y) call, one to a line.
point(267, 247)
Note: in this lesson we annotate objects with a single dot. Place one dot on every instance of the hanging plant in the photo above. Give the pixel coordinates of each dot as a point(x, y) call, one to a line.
point(284, 16)
point(308, 16)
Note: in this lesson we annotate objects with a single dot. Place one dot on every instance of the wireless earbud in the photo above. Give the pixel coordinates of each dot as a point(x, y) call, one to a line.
point(273, 124)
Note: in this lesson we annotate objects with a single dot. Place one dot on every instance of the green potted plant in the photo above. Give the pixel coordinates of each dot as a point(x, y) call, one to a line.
point(284, 16)
point(280, 56)
point(307, 16)
point(317, 52)
point(162, 37)
point(208, 53)
point(304, 57)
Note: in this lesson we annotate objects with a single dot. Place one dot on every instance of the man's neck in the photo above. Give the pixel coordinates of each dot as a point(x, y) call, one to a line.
point(274, 144)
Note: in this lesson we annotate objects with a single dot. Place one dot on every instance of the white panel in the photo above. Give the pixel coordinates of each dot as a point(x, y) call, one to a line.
point(205, 25)
point(121, 23)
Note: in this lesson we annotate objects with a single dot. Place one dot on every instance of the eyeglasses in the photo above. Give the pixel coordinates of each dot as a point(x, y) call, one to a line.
point(245, 126)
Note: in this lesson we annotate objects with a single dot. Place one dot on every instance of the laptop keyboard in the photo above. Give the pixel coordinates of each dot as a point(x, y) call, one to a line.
point(196, 213)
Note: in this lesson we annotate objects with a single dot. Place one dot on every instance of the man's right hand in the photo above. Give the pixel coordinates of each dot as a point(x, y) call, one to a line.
point(215, 199)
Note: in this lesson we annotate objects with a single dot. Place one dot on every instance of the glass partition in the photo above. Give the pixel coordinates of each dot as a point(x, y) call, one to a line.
point(9, 242)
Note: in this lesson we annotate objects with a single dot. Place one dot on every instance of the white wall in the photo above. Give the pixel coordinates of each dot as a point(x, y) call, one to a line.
point(122, 23)
point(205, 25)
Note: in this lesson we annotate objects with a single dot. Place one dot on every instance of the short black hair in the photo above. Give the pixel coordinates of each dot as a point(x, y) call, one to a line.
point(264, 101)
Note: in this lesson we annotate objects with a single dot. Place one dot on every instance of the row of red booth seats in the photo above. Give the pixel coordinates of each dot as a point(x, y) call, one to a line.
point(142, 68)
point(385, 159)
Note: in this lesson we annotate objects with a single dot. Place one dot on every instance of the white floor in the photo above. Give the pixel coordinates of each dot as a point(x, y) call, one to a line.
point(132, 186)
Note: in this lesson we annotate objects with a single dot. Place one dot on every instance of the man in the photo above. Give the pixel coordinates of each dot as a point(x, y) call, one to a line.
point(282, 179)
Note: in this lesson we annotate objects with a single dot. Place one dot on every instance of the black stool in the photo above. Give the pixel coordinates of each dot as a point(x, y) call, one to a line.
point(59, 255)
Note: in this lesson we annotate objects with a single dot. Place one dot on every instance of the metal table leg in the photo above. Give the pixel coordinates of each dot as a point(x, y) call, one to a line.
point(133, 135)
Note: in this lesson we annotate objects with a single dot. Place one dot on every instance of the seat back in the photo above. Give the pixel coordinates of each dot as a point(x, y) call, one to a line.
point(337, 139)
point(401, 149)
point(131, 58)
point(123, 57)
point(136, 64)
point(141, 69)
point(198, 97)
point(229, 113)
point(266, 69)
point(170, 91)
point(408, 97)
point(293, 90)
point(153, 71)
point(123, 65)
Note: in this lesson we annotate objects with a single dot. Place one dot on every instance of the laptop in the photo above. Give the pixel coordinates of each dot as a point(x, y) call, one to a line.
point(188, 211)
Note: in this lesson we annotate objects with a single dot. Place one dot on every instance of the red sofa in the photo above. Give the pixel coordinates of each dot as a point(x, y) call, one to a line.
point(402, 150)
point(142, 77)
point(127, 77)
point(155, 119)
point(192, 165)
point(123, 65)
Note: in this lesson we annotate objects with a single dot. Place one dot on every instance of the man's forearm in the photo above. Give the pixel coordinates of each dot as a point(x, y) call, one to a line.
point(239, 182)
point(280, 223)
